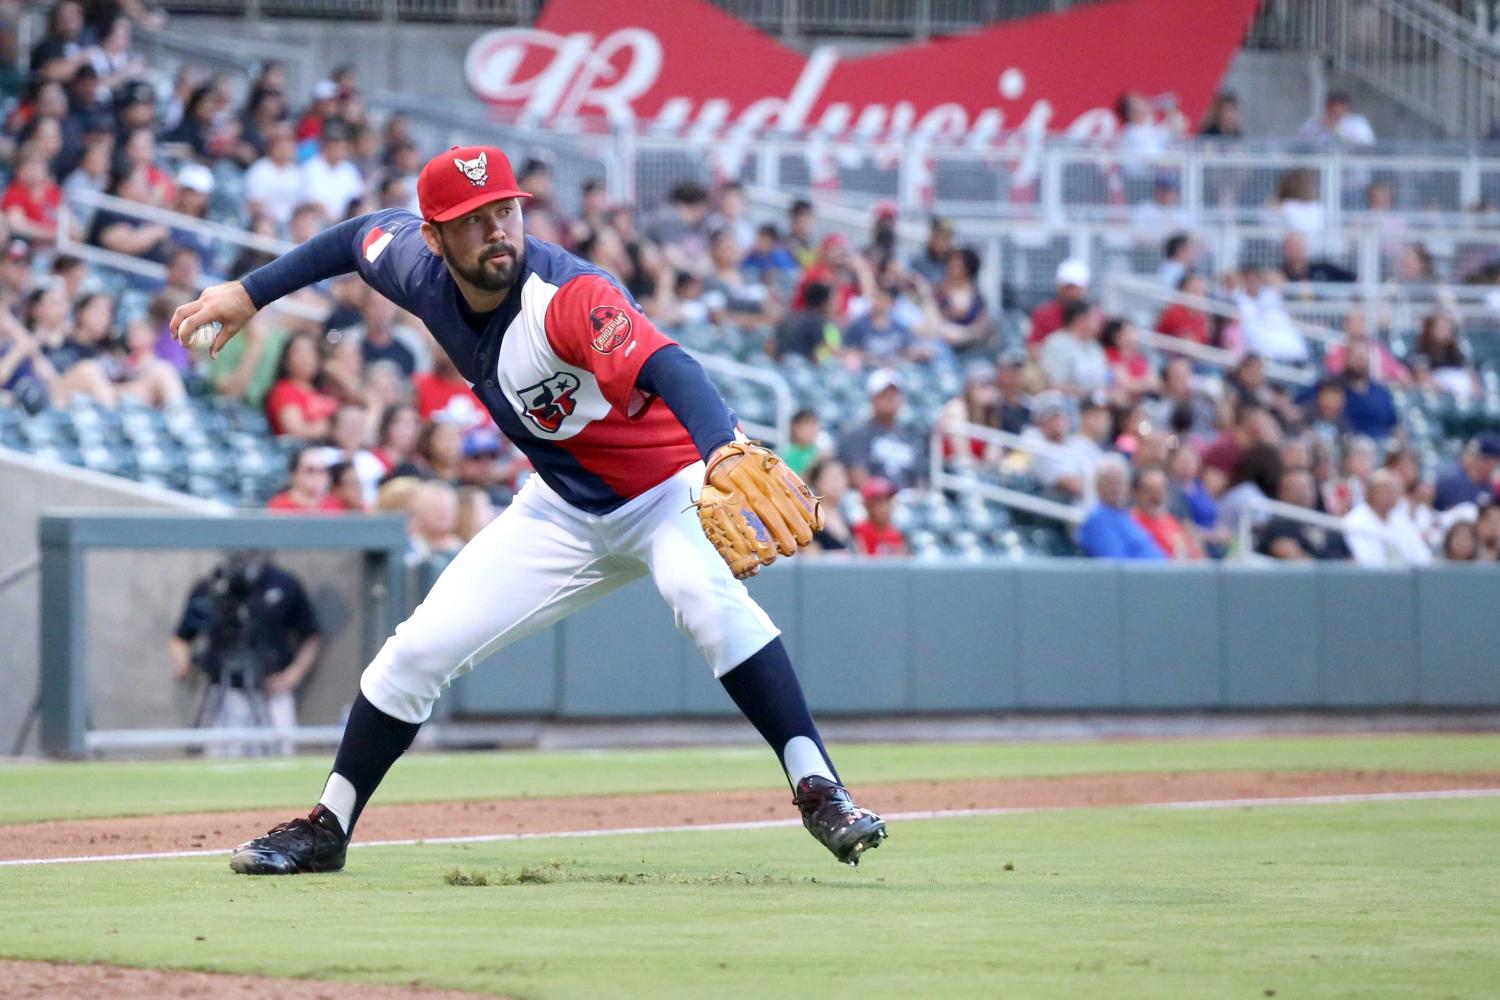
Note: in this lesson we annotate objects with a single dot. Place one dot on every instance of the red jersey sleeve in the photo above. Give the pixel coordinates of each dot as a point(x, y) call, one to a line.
point(592, 325)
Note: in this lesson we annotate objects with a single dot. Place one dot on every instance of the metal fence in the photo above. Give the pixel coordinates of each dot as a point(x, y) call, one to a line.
point(788, 18)
point(1058, 181)
point(1416, 52)
point(462, 11)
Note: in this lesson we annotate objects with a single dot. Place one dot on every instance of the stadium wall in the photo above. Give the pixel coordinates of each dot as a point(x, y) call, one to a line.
point(134, 601)
point(870, 637)
point(1047, 635)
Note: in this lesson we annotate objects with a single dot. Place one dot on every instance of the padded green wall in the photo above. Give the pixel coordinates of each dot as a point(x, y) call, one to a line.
point(1054, 635)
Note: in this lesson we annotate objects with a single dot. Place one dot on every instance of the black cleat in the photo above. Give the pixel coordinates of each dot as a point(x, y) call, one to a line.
point(314, 844)
point(831, 816)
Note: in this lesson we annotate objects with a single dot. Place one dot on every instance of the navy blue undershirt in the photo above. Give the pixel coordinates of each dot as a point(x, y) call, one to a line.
point(670, 374)
point(327, 255)
point(676, 378)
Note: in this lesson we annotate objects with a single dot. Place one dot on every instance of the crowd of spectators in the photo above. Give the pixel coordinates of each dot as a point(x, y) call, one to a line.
point(1174, 461)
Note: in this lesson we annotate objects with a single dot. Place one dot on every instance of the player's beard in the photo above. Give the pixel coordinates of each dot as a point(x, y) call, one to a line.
point(484, 273)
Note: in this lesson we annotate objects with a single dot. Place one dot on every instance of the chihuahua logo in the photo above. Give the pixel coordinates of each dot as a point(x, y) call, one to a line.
point(476, 170)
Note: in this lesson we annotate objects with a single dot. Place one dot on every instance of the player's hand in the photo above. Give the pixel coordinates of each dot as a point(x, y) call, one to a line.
point(228, 304)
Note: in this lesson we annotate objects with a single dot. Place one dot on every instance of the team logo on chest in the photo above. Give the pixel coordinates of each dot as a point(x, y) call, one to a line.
point(550, 401)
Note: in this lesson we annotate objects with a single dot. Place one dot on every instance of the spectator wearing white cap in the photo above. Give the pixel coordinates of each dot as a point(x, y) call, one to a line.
point(1060, 459)
point(1046, 319)
point(195, 188)
point(882, 447)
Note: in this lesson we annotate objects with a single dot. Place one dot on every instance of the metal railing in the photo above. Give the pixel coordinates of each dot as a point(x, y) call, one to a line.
point(99, 256)
point(460, 11)
point(216, 231)
point(1413, 51)
point(1126, 284)
point(776, 434)
point(961, 478)
point(788, 18)
point(1245, 529)
point(1205, 356)
point(1027, 176)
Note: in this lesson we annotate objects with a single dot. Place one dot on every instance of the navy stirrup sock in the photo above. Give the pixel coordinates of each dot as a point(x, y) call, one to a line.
point(766, 689)
point(372, 742)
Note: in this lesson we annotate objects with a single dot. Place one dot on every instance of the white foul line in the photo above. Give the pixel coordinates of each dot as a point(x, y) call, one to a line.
point(767, 824)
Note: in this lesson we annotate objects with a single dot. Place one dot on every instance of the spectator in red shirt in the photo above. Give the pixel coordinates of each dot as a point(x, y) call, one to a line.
point(1129, 366)
point(346, 487)
point(294, 406)
point(876, 535)
point(1046, 319)
point(1178, 320)
point(443, 390)
point(1386, 368)
point(842, 270)
point(396, 441)
point(141, 153)
point(1224, 452)
point(32, 200)
point(324, 103)
point(309, 488)
point(1151, 514)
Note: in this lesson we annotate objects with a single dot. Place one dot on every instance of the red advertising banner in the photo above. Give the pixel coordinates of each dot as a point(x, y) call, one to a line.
point(686, 66)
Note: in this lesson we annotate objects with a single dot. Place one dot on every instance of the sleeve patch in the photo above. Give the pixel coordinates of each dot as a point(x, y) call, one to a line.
point(375, 243)
point(611, 327)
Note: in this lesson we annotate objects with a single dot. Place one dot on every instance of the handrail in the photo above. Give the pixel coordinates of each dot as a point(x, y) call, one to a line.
point(178, 220)
point(116, 261)
point(964, 432)
point(1318, 519)
point(778, 434)
point(1220, 358)
point(1147, 288)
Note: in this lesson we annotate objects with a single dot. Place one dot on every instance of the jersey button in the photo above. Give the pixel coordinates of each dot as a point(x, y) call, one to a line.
point(489, 382)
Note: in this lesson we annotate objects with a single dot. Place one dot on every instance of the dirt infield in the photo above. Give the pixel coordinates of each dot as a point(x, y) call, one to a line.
point(222, 830)
point(202, 831)
point(93, 982)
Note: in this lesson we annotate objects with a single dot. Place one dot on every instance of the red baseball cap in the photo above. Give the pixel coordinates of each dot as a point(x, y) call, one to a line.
point(462, 179)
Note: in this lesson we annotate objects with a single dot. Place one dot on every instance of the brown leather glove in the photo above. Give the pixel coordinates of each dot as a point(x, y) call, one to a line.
point(753, 507)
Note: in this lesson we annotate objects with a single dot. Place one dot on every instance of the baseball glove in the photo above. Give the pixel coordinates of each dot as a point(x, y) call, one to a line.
point(753, 507)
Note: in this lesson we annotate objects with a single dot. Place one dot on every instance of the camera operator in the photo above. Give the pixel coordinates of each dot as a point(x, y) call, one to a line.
point(251, 629)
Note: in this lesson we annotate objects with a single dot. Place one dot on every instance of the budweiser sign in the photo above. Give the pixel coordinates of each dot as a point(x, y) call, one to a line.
point(686, 67)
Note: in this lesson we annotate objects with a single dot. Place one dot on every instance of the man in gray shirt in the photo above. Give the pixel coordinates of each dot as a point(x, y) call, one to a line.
point(1071, 358)
point(883, 447)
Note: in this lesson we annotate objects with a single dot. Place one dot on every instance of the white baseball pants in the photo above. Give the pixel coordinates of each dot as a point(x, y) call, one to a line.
point(543, 559)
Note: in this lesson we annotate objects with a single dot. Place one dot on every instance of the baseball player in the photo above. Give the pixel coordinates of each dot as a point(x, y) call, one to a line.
point(623, 428)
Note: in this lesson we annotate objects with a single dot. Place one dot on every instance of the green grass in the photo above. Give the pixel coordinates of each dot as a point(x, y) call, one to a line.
point(1391, 899)
point(58, 791)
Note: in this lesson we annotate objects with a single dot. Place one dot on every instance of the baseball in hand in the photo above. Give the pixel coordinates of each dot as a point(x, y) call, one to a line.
point(202, 338)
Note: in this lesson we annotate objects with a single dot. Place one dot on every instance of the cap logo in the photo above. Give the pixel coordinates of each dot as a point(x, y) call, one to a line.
point(476, 170)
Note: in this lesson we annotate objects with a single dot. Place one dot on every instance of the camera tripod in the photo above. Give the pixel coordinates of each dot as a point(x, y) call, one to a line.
point(251, 685)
